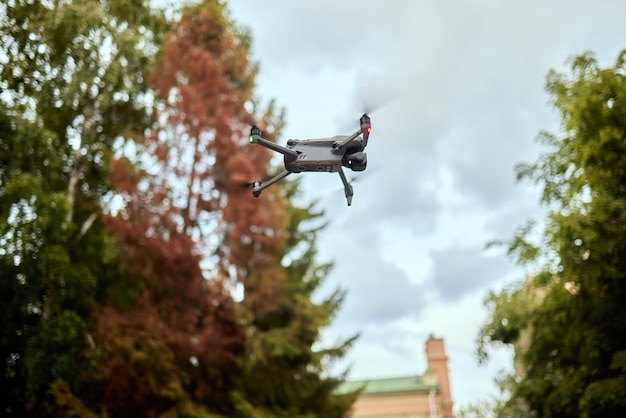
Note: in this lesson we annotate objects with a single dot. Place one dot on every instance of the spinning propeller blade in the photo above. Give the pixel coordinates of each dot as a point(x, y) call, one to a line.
point(372, 99)
point(368, 100)
point(357, 178)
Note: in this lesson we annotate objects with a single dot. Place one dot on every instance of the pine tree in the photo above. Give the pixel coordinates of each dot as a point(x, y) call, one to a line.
point(283, 348)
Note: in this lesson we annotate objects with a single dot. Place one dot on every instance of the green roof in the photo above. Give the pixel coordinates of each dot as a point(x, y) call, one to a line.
point(387, 385)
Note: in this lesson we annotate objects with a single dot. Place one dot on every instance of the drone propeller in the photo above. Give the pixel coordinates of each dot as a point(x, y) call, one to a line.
point(370, 100)
point(357, 178)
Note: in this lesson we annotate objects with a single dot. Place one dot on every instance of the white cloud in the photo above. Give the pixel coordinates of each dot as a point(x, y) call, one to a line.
point(467, 82)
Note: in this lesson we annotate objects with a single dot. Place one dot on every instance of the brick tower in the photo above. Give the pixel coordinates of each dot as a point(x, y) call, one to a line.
point(438, 362)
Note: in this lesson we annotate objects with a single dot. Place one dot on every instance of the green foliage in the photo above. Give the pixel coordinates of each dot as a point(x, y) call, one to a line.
point(282, 352)
point(482, 409)
point(566, 323)
point(64, 336)
point(498, 406)
point(72, 80)
point(45, 294)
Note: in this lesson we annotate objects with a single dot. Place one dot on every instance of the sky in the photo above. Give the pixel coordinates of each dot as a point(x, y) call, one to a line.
point(455, 90)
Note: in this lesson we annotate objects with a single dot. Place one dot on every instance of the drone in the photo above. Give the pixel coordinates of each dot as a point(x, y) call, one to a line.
point(318, 155)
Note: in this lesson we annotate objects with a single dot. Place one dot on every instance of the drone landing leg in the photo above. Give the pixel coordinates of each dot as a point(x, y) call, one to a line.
point(259, 187)
point(346, 186)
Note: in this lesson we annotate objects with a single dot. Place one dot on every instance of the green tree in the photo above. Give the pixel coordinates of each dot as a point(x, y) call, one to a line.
point(72, 81)
point(567, 321)
point(283, 347)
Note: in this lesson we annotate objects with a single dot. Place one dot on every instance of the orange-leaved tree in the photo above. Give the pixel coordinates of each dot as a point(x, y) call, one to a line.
point(205, 82)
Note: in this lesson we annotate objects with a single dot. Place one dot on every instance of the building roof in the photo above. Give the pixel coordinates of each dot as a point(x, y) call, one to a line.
point(387, 385)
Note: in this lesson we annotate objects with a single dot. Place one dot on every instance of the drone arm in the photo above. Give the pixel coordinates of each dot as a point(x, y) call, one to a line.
point(258, 187)
point(255, 138)
point(346, 186)
point(348, 139)
point(366, 126)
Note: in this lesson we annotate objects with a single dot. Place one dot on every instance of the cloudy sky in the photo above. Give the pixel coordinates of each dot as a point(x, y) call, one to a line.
point(459, 87)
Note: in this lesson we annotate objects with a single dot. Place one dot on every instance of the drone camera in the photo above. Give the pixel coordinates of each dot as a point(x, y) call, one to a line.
point(357, 161)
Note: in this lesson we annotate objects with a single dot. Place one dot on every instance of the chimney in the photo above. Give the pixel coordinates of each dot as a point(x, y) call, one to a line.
point(438, 361)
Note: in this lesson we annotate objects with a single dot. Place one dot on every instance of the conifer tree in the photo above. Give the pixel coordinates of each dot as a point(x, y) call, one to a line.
point(283, 348)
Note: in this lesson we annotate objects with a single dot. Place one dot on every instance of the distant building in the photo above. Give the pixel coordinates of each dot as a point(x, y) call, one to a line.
point(425, 396)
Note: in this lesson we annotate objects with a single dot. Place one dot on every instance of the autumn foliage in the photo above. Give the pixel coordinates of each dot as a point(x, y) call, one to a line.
point(205, 82)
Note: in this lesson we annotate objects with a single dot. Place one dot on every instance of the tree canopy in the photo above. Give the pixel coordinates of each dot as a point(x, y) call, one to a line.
point(72, 79)
point(566, 322)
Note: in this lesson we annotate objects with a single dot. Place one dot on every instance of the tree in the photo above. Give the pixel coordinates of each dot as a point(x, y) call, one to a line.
point(72, 79)
point(172, 350)
point(566, 322)
point(282, 345)
point(205, 81)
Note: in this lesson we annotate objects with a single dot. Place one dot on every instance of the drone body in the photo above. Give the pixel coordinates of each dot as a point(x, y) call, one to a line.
point(318, 155)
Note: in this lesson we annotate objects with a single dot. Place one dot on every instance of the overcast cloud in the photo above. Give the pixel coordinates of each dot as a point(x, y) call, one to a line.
point(461, 84)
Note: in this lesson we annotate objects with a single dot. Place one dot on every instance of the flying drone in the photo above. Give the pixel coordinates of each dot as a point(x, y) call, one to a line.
point(318, 155)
